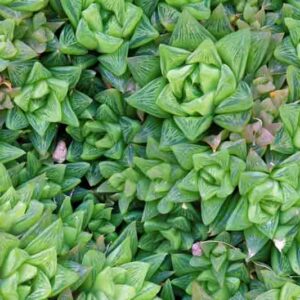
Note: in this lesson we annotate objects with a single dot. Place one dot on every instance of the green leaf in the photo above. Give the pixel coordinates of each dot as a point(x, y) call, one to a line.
point(5, 181)
point(171, 57)
point(117, 7)
point(14, 260)
point(269, 228)
point(145, 98)
point(121, 254)
point(168, 16)
point(68, 42)
point(84, 36)
point(148, 291)
point(205, 53)
point(286, 53)
point(69, 74)
point(260, 43)
point(46, 261)
point(255, 241)
point(238, 219)
point(72, 8)
point(154, 261)
point(167, 291)
point(226, 86)
point(234, 49)
point(42, 144)
point(129, 231)
point(30, 7)
point(203, 105)
point(63, 278)
point(51, 112)
point(148, 6)
point(16, 119)
point(188, 32)
point(32, 215)
point(79, 102)
point(143, 34)
point(177, 78)
point(9, 152)
point(280, 263)
point(38, 123)
point(293, 76)
point(93, 17)
point(240, 100)
point(144, 68)
point(201, 11)
point(107, 43)
point(184, 154)
point(234, 122)
point(219, 23)
point(294, 258)
point(116, 61)
point(293, 27)
point(136, 273)
point(189, 182)
point(168, 102)
point(68, 115)
point(37, 73)
point(50, 237)
point(273, 294)
point(193, 127)
point(170, 135)
point(132, 18)
point(41, 287)
point(210, 209)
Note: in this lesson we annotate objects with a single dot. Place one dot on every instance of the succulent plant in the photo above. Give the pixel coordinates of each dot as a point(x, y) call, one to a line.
point(173, 232)
point(225, 275)
point(267, 199)
point(149, 149)
point(203, 82)
point(287, 139)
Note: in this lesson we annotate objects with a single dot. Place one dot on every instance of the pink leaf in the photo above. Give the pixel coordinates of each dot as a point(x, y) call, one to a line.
point(60, 152)
point(196, 249)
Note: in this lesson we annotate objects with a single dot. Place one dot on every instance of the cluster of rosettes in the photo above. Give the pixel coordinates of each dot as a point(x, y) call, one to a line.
point(149, 149)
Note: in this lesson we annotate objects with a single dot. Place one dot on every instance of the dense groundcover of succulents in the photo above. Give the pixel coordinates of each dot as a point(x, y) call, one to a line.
point(150, 149)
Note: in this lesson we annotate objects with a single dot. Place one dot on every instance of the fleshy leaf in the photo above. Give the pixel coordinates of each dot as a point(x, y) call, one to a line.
point(188, 32)
point(234, 49)
point(171, 57)
point(144, 68)
point(145, 98)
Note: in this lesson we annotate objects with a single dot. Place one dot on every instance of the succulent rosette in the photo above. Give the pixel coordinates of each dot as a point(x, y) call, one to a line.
point(269, 195)
point(287, 138)
point(113, 29)
point(31, 239)
point(127, 279)
point(38, 257)
point(199, 88)
point(24, 38)
point(122, 20)
point(272, 285)
point(171, 233)
point(215, 176)
point(217, 269)
point(42, 96)
point(106, 133)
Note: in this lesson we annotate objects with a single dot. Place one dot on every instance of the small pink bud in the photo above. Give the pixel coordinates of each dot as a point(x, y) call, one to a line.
point(60, 152)
point(196, 249)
